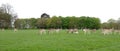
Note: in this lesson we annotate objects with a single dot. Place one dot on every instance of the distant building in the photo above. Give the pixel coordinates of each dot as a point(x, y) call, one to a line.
point(44, 15)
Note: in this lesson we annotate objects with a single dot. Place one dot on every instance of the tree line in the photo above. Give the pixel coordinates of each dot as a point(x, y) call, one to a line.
point(8, 19)
point(59, 22)
point(111, 24)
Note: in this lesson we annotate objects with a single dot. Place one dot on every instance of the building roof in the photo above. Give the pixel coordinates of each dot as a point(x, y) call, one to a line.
point(44, 15)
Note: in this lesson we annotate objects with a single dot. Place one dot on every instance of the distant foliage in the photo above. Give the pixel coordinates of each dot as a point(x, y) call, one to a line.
point(111, 24)
point(59, 22)
point(89, 22)
point(26, 23)
point(69, 22)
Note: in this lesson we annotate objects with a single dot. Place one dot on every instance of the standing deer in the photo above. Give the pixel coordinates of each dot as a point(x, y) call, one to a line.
point(86, 31)
point(42, 31)
point(3, 29)
point(76, 31)
point(107, 31)
point(15, 30)
point(116, 31)
point(72, 31)
point(57, 30)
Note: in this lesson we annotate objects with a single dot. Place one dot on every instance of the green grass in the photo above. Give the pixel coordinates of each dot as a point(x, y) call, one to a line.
point(30, 40)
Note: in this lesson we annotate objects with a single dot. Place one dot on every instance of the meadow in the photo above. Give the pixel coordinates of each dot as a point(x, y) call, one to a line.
point(31, 40)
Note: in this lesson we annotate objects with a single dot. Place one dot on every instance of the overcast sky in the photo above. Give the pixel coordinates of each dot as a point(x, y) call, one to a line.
point(103, 9)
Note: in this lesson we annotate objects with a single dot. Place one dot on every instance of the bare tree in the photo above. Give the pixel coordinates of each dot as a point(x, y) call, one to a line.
point(7, 8)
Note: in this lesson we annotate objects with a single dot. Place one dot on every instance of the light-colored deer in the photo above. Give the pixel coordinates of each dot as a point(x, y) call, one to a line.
point(15, 30)
point(86, 31)
point(116, 31)
point(42, 31)
point(72, 31)
point(76, 31)
point(57, 30)
point(3, 29)
point(51, 31)
point(107, 31)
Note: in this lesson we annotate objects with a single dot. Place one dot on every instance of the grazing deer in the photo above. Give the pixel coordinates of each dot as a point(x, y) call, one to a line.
point(57, 30)
point(53, 31)
point(42, 31)
point(72, 31)
point(3, 29)
point(50, 31)
point(107, 31)
point(93, 31)
point(117, 31)
point(86, 31)
point(75, 31)
point(15, 30)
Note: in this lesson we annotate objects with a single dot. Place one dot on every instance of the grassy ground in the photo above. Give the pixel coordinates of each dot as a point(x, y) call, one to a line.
point(30, 40)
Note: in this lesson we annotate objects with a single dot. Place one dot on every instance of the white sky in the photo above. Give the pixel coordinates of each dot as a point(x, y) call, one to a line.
point(103, 9)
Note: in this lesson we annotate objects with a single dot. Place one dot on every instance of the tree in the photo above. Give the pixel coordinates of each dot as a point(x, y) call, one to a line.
point(7, 15)
point(7, 8)
point(18, 24)
point(111, 23)
point(73, 22)
point(41, 23)
point(89, 22)
point(65, 22)
point(5, 20)
point(60, 22)
point(56, 22)
point(33, 22)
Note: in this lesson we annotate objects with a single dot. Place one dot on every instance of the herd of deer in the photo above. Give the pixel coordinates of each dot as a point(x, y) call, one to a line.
point(44, 31)
point(110, 31)
point(86, 31)
point(76, 31)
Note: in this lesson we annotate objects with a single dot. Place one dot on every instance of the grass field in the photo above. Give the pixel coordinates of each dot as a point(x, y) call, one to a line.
point(30, 40)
